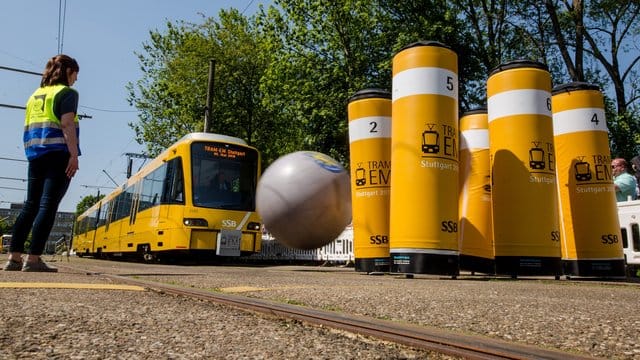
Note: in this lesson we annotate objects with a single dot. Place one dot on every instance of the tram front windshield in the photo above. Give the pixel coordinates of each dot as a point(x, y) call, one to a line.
point(224, 176)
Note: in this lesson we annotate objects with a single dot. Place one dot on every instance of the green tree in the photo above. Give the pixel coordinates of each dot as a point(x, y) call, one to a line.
point(593, 41)
point(323, 52)
point(612, 33)
point(405, 22)
point(171, 95)
point(87, 202)
point(283, 78)
point(580, 40)
point(5, 226)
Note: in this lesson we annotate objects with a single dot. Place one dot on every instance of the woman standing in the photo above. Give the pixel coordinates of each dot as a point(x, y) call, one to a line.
point(51, 144)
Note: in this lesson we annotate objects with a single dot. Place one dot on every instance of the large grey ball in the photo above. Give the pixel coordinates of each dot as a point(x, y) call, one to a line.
point(304, 199)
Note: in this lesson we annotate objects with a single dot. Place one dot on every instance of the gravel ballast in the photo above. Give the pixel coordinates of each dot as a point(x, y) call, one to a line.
point(586, 317)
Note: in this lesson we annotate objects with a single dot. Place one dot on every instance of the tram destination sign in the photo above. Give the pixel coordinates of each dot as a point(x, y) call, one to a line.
point(222, 151)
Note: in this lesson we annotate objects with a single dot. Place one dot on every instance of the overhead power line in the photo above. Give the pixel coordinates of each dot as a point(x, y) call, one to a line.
point(12, 159)
point(12, 106)
point(97, 187)
point(12, 178)
point(107, 110)
point(20, 70)
point(40, 74)
point(12, 188)
point(80, 116)
point(246, 7)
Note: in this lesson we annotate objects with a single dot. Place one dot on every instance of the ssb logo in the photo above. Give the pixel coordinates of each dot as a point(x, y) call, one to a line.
point(229, 223)
point(449, 226)
point(378, 239)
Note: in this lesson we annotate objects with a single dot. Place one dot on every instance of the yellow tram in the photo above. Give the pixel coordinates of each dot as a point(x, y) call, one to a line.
point(197, 198)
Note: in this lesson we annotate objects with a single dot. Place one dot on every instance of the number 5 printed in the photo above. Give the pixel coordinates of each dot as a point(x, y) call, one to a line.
point(449, 83)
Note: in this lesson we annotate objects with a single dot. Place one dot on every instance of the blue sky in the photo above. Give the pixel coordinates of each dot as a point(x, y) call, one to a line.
point(102, 36)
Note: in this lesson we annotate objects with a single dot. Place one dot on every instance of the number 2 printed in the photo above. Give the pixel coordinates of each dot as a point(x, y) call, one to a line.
point(373, 127)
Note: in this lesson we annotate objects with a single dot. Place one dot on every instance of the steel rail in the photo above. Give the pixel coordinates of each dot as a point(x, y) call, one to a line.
point(420, 337)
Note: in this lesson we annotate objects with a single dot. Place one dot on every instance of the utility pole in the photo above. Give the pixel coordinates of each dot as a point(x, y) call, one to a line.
point(130, 157)
point(209, 106)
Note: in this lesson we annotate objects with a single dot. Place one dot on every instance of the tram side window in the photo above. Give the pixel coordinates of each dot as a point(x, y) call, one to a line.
point(96, 223)
point(92, 220)
point(635, 236)
point(110, 205)
point(81, 226)
point(123, 204)
point(173, 191)
point(130, 193)
point(116, 210)
point(87, 223)
point(102, 217)
point(145, 193)
point(152, 188)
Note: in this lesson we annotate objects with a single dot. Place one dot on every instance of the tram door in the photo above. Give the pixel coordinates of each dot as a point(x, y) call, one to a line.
point(134, 235)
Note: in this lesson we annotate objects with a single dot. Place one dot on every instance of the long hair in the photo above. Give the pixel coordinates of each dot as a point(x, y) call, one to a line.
point(55, 73)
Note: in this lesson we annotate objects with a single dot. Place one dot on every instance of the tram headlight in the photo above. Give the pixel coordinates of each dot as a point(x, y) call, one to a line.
point(195, 222)
point(253, 226)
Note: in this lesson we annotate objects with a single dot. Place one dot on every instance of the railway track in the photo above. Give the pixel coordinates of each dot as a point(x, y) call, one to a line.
point(431, 339)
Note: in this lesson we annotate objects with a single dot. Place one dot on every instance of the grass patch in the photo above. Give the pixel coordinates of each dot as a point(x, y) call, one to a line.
point(294, 302)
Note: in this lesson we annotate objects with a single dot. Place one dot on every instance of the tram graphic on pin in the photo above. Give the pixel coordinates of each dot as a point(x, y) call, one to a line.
point(536, 157)
point(430, 140)
point(360, 176)
point(583, 170)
